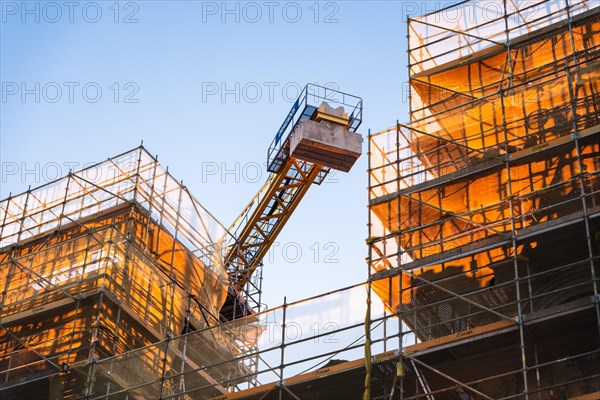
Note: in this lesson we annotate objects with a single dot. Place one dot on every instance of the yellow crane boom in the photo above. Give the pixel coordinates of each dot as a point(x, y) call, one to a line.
point(314, 138)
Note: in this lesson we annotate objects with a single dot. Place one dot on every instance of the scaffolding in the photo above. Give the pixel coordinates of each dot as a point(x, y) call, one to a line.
point(295, 348)
point(310, 349)
point(483, 248)
point(108, 259)
point(484, 208)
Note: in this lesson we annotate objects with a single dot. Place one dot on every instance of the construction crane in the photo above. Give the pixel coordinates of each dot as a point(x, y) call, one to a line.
point(318, 134)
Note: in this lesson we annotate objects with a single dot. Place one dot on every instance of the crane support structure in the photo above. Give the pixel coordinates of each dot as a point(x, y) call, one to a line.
point(314, 138)
point(284, 193)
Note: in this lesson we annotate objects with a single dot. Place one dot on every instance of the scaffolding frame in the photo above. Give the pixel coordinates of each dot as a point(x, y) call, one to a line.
point(110, 258)
point(298, 361)
point(484, 207)
point(484, 243)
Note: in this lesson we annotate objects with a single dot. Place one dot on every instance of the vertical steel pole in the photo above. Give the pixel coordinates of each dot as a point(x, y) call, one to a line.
point(281, 365)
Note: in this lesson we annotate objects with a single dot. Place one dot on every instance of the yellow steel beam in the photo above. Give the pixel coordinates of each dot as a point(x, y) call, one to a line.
point(284, 194)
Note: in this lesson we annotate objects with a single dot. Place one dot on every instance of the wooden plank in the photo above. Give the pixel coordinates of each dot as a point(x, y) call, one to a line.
point(388, 355)
point(318, 374)
point(52, 305)
point(590, 131)
point(540, 147)
point(589, 396)
point(37, 310)
point(328, 148)
point(326, 155)
point(471, 333)
point(248, 392)
point(323, 372)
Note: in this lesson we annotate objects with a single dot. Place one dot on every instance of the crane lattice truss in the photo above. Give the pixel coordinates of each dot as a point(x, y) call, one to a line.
point(283, 194)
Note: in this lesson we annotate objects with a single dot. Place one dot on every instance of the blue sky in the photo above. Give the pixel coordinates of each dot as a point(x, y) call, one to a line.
point(153, 62)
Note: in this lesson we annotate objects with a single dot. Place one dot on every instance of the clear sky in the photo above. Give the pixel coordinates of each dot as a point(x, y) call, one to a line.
point(205, 85)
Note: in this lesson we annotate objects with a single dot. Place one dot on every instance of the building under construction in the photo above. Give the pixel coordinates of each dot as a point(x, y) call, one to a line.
point(483, 243)
point(484, 209)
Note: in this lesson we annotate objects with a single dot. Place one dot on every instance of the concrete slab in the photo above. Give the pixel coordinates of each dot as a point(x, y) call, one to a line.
point(326, 143)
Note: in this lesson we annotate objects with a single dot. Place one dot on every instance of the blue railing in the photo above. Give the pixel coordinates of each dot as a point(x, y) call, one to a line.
point(307, 103)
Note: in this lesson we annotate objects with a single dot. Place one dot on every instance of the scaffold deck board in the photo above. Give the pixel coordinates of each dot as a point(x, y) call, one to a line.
point(344, 379)
point(496, 327)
